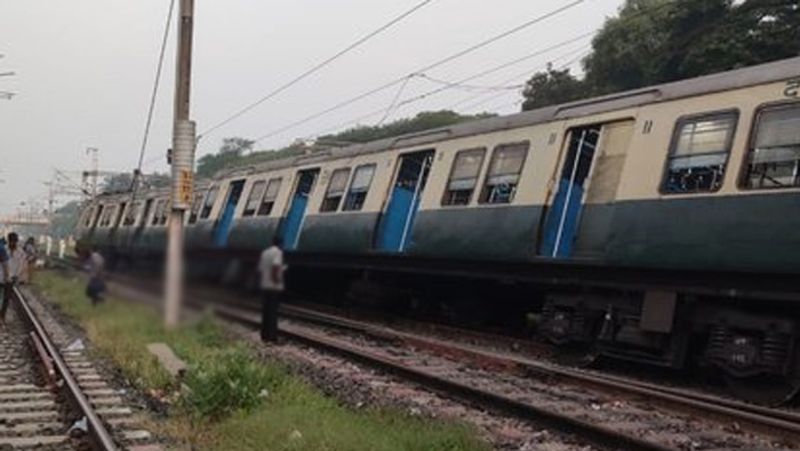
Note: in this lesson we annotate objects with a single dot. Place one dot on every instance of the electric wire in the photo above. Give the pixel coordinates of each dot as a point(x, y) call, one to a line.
point(316, 68)
point(154, 93)
point(527, 72)
point(394, 101)
point(429, 67)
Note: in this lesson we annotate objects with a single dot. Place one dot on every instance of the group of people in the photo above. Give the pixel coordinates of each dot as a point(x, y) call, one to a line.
point(16, 266)
point(270, 265)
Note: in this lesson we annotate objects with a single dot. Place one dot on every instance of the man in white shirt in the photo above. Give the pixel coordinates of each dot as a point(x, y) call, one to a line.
point(271, 267)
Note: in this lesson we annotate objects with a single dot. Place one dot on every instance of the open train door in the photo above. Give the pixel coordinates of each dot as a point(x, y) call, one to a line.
point(590, 176)
point(293, 222)
point(397, 221)
point(222, 228)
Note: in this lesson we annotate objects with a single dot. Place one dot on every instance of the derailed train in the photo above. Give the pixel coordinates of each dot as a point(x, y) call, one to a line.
point(658, 225)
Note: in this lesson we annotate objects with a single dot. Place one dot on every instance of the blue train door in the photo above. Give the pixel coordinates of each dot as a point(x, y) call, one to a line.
point(223, 226)
point(563, 217)
point(293, 222)
point(397, 221)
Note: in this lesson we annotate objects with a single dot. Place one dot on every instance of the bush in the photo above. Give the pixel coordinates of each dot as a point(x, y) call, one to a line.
point(225, 382)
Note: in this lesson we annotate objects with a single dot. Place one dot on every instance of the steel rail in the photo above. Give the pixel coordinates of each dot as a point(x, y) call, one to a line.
point(101, 438)
point(599, 434)
point(780, 421)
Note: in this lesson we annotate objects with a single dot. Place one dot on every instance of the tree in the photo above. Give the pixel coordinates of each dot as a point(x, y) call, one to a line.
point(551, 87)
point(117, 183)
point(236, 146)
point(65, 219)
point(425, 120)
point(658, 41)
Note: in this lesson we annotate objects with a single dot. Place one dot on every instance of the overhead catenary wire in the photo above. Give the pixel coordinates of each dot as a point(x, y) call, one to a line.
point(429, 67)
point(316, 68)
point(582, 52)
point(395, 105)
point(154, 94)
point(395, 99)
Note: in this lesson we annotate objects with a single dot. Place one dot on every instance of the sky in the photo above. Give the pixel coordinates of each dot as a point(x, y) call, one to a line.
point(84, 71)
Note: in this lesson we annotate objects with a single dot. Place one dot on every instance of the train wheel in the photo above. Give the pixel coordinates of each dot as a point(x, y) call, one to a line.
point(764, 390)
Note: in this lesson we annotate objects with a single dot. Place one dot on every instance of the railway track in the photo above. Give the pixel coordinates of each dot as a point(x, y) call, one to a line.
point(611, 411)
point(51, 396)
point(574, 402)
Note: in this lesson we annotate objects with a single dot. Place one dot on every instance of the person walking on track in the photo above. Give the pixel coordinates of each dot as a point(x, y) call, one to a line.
point(12, 270)
point(272, 268)
point(5, 280)
point(97, 284)
point(31, 254)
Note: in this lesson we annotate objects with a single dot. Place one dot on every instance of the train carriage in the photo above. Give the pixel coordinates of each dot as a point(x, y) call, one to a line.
point(640, 222)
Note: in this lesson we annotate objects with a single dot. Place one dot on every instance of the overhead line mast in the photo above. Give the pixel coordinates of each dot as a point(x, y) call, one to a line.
point(183, 145)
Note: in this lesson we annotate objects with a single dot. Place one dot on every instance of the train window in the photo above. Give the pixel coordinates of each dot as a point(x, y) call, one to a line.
point(270, 194)
point(335, 192)
point(502, 178)
point(464, 176)
point(89, 217)
point(359, 187)
point(131, 214)
point(108, 215)
point(700, 149)
point(254, 199)
point(774, 157)
point(209, 203)
point(159, 211)
point(197, 202)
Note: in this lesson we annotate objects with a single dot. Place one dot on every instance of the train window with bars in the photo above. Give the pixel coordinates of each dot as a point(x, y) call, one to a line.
point(108, 216)
point(335, 192)
point(270, 194)
point(88, 218)
point(209, 202)
point(773, 160)
point(131, 214)
point(505, 168)
point(197, 203)
point(255, 197)
point(104, 218)
point(359, 187)
point(700, 149)
point(464, 176)
point(159, 213)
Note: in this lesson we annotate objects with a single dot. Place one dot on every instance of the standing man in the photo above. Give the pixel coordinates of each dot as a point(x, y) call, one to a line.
point(11, 270)
point(5, 280)
point(271, 267)
point(97, 285)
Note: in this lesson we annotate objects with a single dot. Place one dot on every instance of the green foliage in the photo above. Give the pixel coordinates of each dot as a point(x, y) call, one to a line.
point(426, 120)
point(658, 41)
point(65, 219)
point(236, 146)
point(119, 183)
point(234, 400)
point(226, 382)
point(550, 88)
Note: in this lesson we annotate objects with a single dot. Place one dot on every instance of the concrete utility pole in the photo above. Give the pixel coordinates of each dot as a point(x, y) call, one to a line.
point(183, 143)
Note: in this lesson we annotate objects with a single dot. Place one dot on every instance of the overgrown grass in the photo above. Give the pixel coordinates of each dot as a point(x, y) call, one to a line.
point(233, 400)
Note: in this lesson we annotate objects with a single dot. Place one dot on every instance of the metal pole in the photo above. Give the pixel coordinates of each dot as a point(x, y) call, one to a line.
point(183, 143)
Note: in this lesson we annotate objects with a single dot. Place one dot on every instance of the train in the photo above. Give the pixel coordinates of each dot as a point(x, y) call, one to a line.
point(659, 225)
